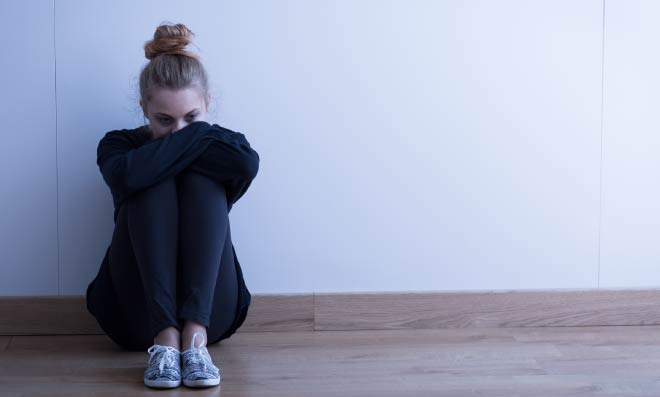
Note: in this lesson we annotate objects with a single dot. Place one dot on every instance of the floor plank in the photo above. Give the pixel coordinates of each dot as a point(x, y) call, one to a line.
point(4, 342)
point(507, 362)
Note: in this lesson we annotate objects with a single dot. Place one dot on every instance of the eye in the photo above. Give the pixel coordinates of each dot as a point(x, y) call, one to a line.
point(167, 120)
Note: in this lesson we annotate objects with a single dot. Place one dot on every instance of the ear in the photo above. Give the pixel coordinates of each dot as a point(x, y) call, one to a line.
point(144, 111)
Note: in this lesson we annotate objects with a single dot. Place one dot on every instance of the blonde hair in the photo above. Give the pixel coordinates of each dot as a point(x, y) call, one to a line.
point(170, 65)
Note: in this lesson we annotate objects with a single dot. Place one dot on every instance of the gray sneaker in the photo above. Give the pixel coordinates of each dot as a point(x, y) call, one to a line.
point(198, 369)
point(164, 368)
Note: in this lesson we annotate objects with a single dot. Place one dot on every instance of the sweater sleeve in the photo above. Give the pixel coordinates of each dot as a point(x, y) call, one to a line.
point(230, 160)
point(127, 169)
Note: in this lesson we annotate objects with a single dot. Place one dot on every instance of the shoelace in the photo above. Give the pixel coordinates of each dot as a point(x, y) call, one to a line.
point(202, 355)
point(168, 355)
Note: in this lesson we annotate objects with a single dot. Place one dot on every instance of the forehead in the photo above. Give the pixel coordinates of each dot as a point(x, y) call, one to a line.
point(175, 102)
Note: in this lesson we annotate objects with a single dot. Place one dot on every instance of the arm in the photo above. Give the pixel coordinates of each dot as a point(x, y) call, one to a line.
point(127, 169)
point(230, 160)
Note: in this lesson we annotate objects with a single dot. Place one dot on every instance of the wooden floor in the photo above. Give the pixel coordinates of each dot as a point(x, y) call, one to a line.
point(507, 362)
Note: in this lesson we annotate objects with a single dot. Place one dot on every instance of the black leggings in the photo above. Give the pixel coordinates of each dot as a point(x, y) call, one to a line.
point(164, 262)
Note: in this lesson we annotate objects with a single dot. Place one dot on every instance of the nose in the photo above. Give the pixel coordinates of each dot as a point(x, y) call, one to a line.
point(179, 125)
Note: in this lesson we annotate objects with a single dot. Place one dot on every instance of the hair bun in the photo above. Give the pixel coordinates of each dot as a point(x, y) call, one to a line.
point(169, 39)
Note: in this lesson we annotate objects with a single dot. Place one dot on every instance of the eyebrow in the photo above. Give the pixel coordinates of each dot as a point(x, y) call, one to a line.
point(164, 114)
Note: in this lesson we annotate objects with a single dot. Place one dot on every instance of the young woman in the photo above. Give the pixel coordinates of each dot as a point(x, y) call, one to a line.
point(170, 279)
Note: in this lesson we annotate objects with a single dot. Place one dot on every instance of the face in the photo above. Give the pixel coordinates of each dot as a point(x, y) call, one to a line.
point(170, 110)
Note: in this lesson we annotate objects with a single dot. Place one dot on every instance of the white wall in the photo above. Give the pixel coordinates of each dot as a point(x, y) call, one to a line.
point(405, 145)
point(630, 244)
point(28, 163)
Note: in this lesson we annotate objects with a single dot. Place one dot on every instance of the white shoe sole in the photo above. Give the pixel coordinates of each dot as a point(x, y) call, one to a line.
point(162, 384)
point(201, 382)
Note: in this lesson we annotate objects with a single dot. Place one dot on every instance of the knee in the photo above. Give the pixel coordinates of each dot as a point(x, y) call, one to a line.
point(189, 180)
point(161, 187)
point(157, 192)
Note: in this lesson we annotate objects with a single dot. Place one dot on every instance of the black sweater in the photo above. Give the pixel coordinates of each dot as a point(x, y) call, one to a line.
point(130, 160)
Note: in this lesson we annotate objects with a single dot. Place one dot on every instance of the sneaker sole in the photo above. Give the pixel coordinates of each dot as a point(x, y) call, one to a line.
point(201, 382)
point(162, 384)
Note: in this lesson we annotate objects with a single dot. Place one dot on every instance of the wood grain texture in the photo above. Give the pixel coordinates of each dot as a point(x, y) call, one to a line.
point(46, 315)
point(68, 315)
point(552, 308)
point(283, 312)
point(62, 315)
point(457, 362)
point(4, 342)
